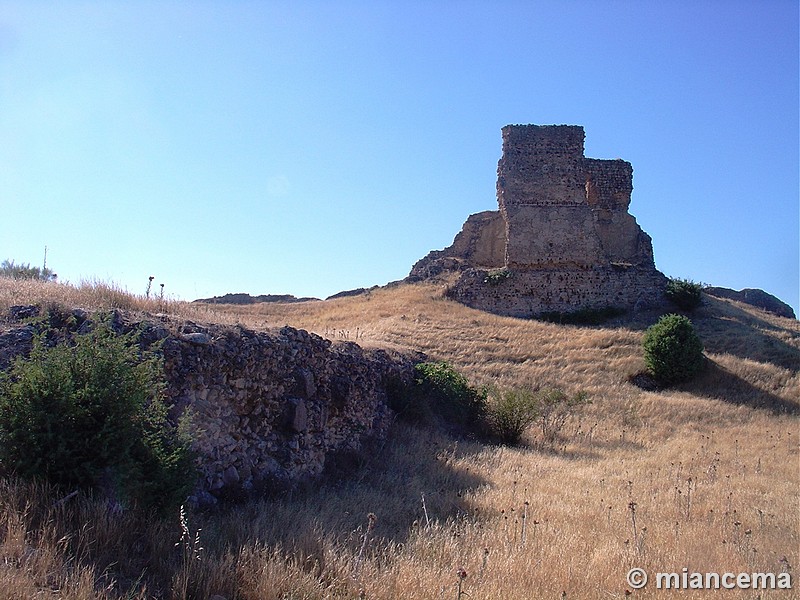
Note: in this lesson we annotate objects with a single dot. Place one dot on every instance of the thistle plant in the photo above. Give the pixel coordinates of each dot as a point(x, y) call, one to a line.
point(461, 576)
point(149, 285)
point(632, 508)
point(371, 519)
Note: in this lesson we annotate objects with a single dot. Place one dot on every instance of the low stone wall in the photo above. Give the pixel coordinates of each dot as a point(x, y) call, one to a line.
point(528, 293)
point(268, 408)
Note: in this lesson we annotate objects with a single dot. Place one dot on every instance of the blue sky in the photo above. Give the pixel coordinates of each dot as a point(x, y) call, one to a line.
point(312, 147)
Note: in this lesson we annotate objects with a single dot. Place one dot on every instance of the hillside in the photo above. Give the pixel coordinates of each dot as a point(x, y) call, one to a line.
point(705, 476)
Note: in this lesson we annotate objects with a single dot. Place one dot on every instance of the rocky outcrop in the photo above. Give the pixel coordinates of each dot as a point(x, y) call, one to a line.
point(563, 235)
point(248, 299)
point(267, 408)
point(351, 293)
point(754, 297)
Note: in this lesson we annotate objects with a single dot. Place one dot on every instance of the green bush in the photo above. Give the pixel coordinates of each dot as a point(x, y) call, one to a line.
point(497, 276)
point(8, 268)
point(90, 414)
point(512, 411)
point(685, 294)
point(438, 390)
point(673, 351)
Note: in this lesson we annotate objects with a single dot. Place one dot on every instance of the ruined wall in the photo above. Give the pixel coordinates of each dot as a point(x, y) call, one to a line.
point(527, 293)
point(609, 184)
point(541, 190)
point(268, 408)
point(570, 241)
point(480, 243)
point(562, 209)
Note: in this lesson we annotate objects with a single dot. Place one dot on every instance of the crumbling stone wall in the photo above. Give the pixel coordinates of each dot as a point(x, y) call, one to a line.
point(528, 293)
point(268, 408)
point(562, 209)
point(480, 243)
point(272, 406)
point(570, 242)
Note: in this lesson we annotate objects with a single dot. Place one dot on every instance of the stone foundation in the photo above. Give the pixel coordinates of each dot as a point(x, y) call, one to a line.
point(529, 293)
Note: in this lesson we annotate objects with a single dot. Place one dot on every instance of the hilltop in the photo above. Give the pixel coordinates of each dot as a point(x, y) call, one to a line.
point(703, 475)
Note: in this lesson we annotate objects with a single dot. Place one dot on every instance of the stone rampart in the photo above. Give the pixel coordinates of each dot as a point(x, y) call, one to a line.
point(268, 408)
point(527, 293)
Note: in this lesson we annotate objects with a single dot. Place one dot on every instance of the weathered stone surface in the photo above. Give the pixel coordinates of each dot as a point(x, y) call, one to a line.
point(566, 237)
point(267, 408)
point(23, 312)
point(528, 293)
point(754, 297)
point(197, 338)
point(14, 343)
point(230, 476)
point(480, 243)
point(298, 415)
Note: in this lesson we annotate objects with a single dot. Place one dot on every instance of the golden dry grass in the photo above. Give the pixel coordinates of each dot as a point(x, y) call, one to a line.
point(712, 467)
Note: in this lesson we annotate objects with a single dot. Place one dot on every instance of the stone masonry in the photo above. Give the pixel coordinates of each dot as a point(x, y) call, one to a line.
point(268, 408)
point(562, 236)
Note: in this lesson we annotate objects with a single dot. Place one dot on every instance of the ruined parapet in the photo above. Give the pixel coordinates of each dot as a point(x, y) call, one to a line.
point(531, 292)
point(609, 184)
point(570, 242)
point(268, 409)
point(480, 243)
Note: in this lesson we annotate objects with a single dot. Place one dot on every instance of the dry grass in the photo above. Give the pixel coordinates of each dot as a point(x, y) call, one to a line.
point(712, 467)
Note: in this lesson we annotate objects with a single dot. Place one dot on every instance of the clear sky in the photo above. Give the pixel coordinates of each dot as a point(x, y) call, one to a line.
point(312, 147)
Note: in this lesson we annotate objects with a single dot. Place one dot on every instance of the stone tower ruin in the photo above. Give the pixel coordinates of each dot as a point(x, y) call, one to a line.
point(562, 239)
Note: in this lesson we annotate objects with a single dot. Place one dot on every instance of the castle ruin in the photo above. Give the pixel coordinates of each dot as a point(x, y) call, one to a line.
point(562, 239)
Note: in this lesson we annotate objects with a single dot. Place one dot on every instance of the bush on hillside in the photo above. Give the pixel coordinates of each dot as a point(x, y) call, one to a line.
point(684, 293)
point(90, 414)
point(438, 390)
point(8, 268)
point(673, 351)
point(556, 408)
point(511, 412)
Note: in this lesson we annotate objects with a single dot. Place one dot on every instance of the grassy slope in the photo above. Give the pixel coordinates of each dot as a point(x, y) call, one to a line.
point(712, 468)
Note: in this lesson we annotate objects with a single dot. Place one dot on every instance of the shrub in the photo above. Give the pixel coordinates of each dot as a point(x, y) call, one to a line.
point(672, 350)
point(512, 411)
point(438, 390)
point(685, 294)
point(91, 415)
point(556, 407)
point(497, 276)
point(8, 268)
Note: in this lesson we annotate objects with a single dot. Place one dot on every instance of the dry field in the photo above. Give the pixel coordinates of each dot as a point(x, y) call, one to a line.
point(705, 476)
